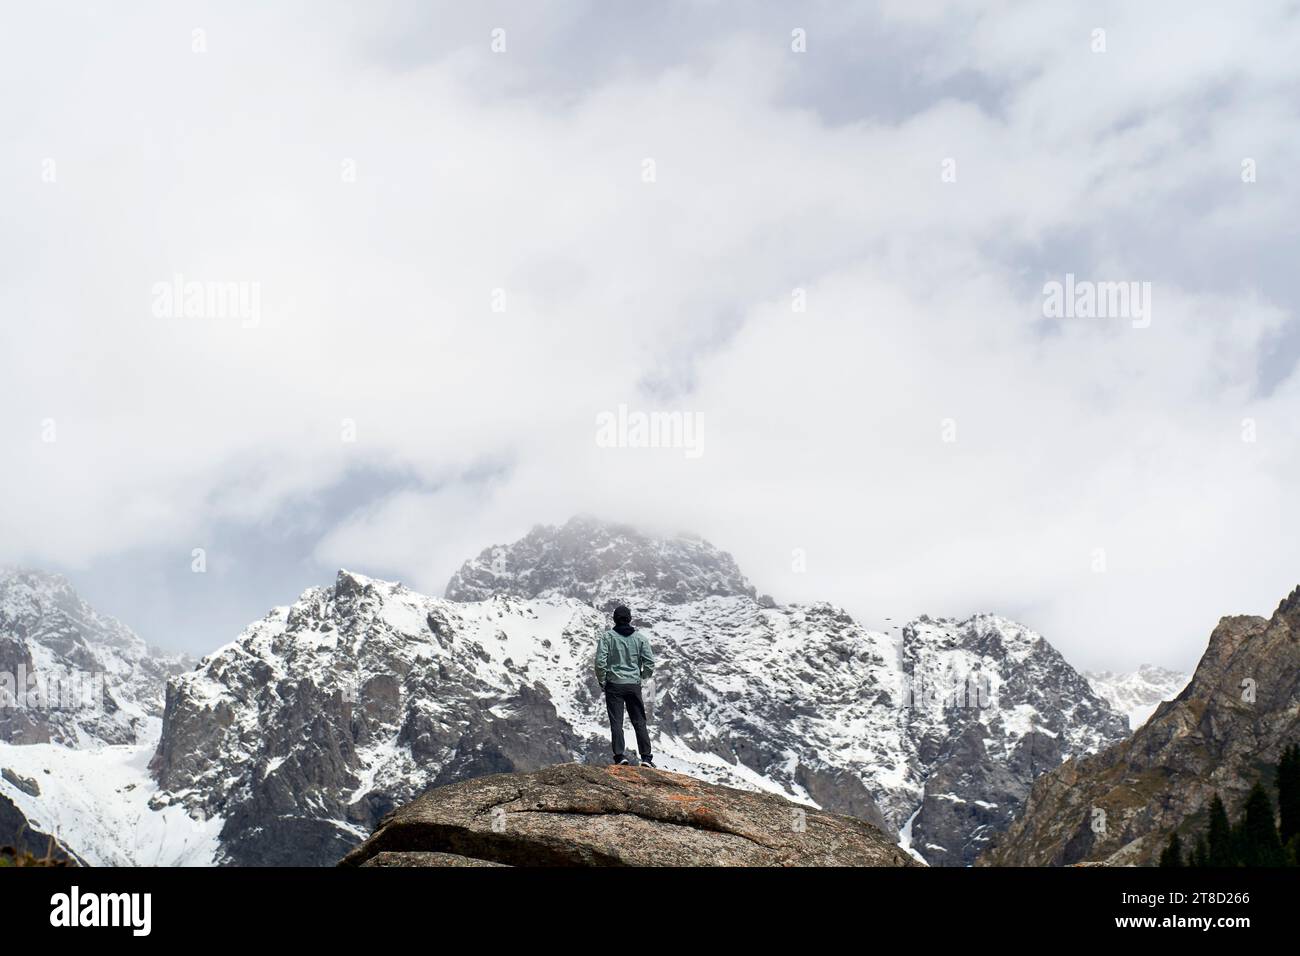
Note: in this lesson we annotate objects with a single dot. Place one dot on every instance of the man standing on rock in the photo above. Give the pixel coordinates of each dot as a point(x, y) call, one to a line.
point(623, 660)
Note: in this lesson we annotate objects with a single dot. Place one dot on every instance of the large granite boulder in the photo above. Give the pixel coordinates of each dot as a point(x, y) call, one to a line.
point(580, 815)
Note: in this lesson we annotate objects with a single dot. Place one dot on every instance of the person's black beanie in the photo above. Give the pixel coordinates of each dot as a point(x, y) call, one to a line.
point(622, 615)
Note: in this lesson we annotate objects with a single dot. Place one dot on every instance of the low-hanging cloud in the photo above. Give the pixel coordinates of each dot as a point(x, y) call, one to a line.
point(464, 258)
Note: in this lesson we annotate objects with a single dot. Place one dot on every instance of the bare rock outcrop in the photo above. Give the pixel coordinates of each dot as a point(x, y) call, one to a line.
point(1118, 806)
point(579, 815)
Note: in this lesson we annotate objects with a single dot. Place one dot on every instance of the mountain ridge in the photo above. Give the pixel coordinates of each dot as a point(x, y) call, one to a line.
point(291, 743)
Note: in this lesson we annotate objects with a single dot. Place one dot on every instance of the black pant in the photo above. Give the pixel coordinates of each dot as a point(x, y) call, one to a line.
point(618, 696)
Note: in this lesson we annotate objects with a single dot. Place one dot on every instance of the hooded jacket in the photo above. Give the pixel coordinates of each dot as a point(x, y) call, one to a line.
point(623, 656)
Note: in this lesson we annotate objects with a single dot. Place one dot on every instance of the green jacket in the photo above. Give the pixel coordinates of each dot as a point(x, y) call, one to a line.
point(623, 660)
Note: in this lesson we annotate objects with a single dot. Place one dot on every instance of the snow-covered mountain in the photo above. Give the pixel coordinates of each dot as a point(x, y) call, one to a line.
point(993, 706)
point(289, 744)
point(86, 679)
point(601, 564)
point(327, 714)
point(99, 803)
point(81, 702)
point(1138, 693)
point(319, 719)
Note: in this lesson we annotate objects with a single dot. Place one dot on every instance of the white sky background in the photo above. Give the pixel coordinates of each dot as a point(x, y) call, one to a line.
point(523, 171)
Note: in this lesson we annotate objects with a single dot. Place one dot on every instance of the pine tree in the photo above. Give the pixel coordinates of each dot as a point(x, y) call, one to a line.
point(1201, 855)
point(1288, 793)
point(1260, 845)
point(1219, 850)
point(1172, 857)
point(1239, 841)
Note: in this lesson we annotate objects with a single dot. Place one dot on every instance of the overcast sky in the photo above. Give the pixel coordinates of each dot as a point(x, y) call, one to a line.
point(822, 230)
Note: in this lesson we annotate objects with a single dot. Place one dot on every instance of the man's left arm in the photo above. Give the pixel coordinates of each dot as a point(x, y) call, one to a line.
point(602, 659)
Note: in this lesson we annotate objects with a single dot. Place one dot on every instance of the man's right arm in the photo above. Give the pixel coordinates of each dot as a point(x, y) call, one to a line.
point(647, 658)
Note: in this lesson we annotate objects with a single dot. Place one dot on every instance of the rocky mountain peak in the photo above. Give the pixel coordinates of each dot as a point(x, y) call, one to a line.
point(602, 563)
point(989, 705)
point(349, 582)
point(43, 606)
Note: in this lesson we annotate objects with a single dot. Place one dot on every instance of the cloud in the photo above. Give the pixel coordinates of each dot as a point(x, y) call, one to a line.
point(462, 259)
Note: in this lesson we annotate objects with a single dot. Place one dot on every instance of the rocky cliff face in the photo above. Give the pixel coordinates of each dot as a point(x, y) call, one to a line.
point(574, 815)
point(993, 707)
point(1119, 806)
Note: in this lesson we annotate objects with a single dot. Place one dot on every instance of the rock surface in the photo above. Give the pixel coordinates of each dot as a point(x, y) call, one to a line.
point(577, 815)
point(18, 832)
point(26, 784)
point(1241, 708)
